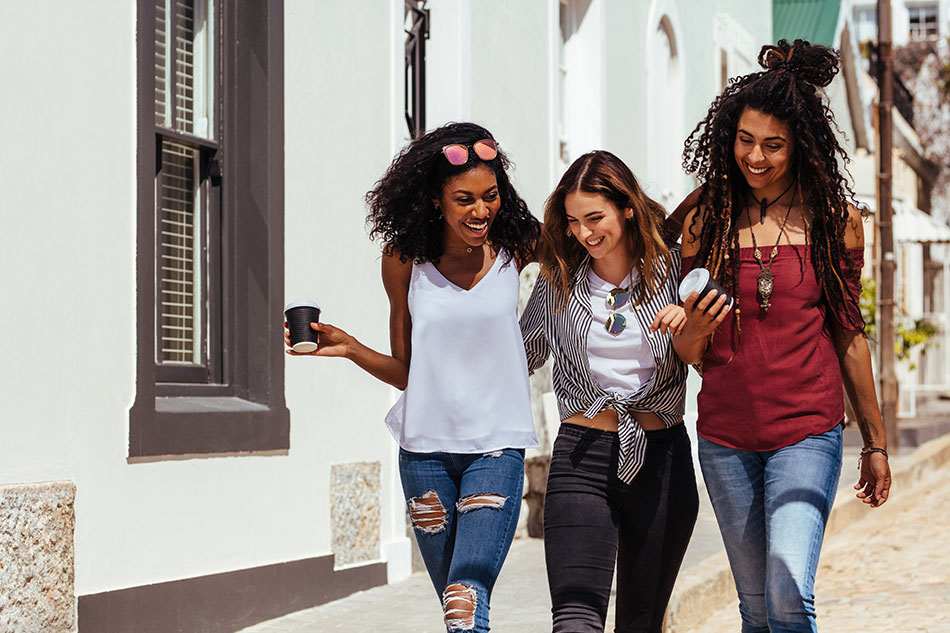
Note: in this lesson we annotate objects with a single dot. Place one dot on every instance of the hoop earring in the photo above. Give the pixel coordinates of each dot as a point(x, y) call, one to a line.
point(567, 231)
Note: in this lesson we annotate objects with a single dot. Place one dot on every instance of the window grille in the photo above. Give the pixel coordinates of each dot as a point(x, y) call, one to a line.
point(207, 379)
point(179, 265)
point(161, 69)
point(923, 22)
point(185, 66)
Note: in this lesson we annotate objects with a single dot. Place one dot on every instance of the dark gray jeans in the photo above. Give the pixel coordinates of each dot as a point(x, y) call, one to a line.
point(592, 520)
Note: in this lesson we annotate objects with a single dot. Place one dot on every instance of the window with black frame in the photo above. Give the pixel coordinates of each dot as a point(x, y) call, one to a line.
point(186, 144)
point(209, 257)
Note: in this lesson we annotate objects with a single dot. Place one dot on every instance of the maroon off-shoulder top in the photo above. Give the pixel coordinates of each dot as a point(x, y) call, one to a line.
point(778, 381)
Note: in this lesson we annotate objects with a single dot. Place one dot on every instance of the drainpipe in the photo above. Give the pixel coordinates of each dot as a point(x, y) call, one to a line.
point(885, 308)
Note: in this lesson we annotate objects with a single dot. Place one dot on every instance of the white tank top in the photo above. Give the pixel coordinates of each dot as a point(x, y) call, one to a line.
point(621, 364)
point(468, 388)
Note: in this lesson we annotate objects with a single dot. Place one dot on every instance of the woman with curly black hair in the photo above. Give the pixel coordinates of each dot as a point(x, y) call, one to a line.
point(775, 227)
point(455, 234)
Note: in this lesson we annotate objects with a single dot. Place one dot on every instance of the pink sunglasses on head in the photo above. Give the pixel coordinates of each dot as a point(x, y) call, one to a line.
point(457, 154)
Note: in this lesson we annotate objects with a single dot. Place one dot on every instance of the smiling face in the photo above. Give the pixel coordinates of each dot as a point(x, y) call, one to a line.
point(763, 151)
point(468, 203)
point(597, 224)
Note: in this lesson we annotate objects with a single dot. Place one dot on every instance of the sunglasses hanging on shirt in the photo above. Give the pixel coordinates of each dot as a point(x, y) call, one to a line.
point(616, 299)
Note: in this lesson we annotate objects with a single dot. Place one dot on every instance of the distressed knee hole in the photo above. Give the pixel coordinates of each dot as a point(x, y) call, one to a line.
point(427, 513)
point(474, 502)
point(458, 606)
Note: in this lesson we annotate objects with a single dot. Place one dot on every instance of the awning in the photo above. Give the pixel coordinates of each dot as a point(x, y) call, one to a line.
point(913, 225)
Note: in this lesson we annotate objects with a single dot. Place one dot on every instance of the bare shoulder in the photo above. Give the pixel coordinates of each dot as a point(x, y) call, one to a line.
point(674, 222)
point(396, 273)
point(532, 256)
point(854, 229)
point(692, 229)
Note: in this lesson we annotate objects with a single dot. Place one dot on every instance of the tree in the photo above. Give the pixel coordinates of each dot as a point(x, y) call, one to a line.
point(930, 85)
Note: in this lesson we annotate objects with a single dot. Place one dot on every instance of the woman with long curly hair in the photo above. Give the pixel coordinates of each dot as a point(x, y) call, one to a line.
point(621, 489)
point(775, 227)
point(455, 234)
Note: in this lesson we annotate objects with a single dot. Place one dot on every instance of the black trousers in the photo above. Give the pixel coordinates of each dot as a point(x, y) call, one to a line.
point(592, 520)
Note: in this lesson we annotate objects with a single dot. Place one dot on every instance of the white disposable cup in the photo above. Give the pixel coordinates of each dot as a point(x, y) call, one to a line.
point(700, 281)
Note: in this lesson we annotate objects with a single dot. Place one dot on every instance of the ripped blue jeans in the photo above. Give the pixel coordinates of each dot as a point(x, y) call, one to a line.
point(464, 511)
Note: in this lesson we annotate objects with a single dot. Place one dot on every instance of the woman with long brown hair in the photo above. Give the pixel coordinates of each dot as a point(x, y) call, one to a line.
point(775, 227)
point(605, 308)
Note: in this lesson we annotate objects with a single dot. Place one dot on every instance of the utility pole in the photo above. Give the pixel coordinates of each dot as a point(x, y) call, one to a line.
point(885, 308)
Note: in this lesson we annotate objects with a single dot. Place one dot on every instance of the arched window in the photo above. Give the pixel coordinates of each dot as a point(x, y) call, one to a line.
point(665, 114)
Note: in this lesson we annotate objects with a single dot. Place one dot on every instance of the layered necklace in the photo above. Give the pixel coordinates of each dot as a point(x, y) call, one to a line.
point(763, 281)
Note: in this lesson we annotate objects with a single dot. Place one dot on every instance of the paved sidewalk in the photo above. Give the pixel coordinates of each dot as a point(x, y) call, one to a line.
point(520, 602)
point(889, 573)
point(886, 570)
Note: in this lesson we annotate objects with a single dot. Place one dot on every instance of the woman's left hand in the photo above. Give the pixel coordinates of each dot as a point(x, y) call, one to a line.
point(875, 481)
point(669, 320)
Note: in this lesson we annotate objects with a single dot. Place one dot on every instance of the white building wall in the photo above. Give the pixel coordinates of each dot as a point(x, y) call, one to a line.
point(344, 123)
point(641, 115)
point(511, 87)
point(67, 241)
point(68, 244)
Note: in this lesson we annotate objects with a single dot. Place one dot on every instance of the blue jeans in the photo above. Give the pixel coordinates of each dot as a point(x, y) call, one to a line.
point(772, 507)
point(464, 511)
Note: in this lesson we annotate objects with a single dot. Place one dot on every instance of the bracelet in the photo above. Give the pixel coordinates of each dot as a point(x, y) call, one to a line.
point(867, 450)
point(873, 449)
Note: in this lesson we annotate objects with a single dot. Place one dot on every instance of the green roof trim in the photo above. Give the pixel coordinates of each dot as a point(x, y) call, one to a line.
point(812, 20)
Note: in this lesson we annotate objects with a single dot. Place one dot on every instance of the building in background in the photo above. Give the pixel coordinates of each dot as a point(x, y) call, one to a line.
point(177, 172)
point(911, 20)
point(923, 259)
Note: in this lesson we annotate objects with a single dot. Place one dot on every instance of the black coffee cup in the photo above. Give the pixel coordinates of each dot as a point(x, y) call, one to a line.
point(299, 315)
point(699, 280)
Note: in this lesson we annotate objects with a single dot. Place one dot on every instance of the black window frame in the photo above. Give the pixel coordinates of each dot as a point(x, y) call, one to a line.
point(235, 401)
point(414, 79)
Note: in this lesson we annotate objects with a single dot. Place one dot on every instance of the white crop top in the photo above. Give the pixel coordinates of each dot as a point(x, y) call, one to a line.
point(621, 364)
point(468, 388)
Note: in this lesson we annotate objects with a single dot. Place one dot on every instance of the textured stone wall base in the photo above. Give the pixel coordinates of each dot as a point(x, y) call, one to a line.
point(36, 558)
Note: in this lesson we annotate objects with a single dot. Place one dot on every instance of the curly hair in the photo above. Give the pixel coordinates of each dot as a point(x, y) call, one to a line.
point(601, 172)
point(788, 89)
point(402, 213)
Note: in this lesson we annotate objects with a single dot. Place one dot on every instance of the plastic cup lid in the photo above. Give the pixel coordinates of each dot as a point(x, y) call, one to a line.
point(694, 281)
point(301, 304)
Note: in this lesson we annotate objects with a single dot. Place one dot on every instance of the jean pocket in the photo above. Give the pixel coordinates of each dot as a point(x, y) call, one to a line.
point(563, 446)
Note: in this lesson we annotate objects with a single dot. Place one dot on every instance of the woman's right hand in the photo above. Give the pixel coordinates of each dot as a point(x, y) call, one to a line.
point(690, 344)
point(332, 341)
point(700, 322)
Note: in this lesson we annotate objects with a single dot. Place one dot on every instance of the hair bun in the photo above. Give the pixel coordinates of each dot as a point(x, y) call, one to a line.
point(812, 63)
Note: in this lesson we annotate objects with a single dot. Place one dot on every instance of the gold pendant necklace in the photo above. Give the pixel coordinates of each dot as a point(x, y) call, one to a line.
point(764, 280)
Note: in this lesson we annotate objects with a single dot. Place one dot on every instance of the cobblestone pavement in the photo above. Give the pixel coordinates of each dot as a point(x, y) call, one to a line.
point(889, 573)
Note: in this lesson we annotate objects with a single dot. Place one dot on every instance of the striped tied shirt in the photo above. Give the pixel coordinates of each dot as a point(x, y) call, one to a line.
point(564, 334)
